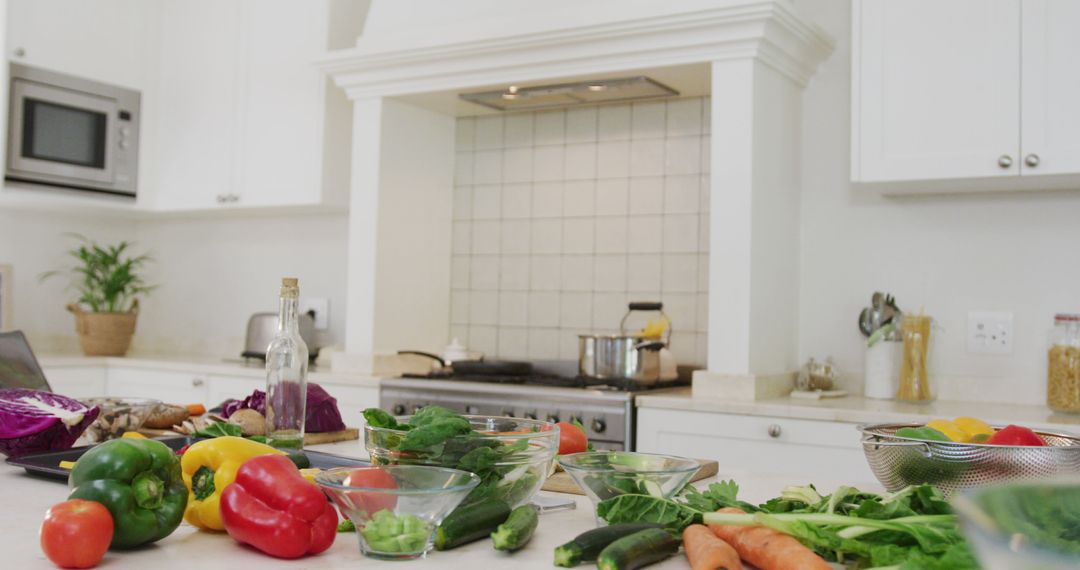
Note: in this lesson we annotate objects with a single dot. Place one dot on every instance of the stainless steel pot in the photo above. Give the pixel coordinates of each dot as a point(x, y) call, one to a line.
point(625, 356)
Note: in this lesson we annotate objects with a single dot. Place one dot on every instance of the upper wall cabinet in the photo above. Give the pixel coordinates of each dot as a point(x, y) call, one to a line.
point(965, 89)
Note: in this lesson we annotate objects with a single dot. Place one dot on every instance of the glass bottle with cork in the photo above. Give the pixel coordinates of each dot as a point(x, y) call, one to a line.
point(286, 373)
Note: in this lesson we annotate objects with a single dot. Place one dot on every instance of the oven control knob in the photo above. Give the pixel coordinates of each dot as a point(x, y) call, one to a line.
point(416, 408)
point(598, 425)
point(575, 420)
point(553, 418)
point(530, 415)
point(399, 409)
point(508, 413)
point(472, 410)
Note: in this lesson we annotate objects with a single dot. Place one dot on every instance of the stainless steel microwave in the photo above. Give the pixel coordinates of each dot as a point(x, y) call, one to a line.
point(72, 132)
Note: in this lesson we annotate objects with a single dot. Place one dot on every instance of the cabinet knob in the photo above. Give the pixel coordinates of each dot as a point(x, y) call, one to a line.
point(1031, 160)
point(19, 52)
point(197, 382)
point(774, 430)
point(399, 410)
point(220, 198)
point(1005, 161)
point(234, 197)
point(598, 425)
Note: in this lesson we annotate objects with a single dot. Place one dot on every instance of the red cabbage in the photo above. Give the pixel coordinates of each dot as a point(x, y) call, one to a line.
point(32, 421)
point(321, 414)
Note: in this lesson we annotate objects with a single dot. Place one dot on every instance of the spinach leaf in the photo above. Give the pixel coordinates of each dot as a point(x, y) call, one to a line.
point(430, 414)
point(219, 429)
point(434, 432)
point(646, 508)
point(380, 419)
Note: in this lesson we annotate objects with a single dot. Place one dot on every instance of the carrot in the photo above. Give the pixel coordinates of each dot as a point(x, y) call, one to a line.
point(706, 551)
point(766, 548)
point(196, 409)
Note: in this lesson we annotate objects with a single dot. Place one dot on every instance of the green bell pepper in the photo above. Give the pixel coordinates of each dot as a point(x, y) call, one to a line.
point(139, 482)
point(924, 433)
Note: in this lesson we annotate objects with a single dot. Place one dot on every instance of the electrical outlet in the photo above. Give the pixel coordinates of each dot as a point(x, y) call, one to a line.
point(990, 332)
point(322, 311)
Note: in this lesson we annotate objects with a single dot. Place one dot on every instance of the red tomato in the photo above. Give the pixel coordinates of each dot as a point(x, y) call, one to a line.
point(571, 439)
point(76, 533)
point(373, 478)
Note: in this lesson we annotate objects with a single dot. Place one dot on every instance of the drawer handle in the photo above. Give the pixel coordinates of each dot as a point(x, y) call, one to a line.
point(198, 382)
point(774, 430)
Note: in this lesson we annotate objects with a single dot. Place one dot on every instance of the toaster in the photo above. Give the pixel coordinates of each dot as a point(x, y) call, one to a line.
point(262, 327)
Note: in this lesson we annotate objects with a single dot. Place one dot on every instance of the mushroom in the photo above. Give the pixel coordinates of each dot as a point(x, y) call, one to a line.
point(251, 422)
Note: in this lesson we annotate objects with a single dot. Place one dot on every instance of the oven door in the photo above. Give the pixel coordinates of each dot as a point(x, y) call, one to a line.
point(61, 136)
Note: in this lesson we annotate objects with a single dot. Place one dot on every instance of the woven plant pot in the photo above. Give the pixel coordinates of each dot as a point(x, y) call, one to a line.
point(105, 334)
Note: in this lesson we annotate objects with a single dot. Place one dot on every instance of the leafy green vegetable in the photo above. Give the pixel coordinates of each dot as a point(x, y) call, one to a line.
point(1048, 515)
point(646, 508)
point(380, 419)
point(346, 526)
point(434, 433)
point(220, 429)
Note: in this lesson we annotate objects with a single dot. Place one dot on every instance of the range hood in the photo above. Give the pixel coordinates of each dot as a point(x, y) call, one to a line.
point(515, 98)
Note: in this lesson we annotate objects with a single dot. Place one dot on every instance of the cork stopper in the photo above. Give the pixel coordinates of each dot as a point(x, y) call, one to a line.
point(290, 287)
point(290, 282)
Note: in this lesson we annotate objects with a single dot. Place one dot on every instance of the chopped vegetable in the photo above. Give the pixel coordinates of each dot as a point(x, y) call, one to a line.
point(1016, 435)
point(586, 547)
point(69, 465)
point(471, 522)
point(518, 529)
point(32, 421)
point(706, 551)
point(387, 532)
point(196, 409)
point(766, 548)
point(346, 526)
point(132, 435)
point(639, 549)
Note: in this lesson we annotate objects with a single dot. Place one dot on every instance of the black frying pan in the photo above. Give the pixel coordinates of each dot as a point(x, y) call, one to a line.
point(478, 367)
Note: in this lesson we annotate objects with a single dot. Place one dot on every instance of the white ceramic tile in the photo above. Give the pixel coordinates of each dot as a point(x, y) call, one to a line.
point(706, 115)
point(515, 236)
point(684, 346)
point(680, 273)
point(578, 235)
point(517, 165)
point(459, 307)
point(581, 125)
point(612, 197)
point(611, 235)
point(544, 343)
point(645, 234)
point(484, 273)
point(613, 159)
point(684, 117)
point(706, 154)
point(568, 342)
point(543, 309)
point(485, 237)
point(482, 339)
point(647, 195)
point(703, 272)
point(487, 167)
point(513, 309)
point(544, 272)
point(489, 132)
point(647, 120)
point(610, 273)
point(575, 310)
point(683, 155)
point(518, 131)
point(682, 194)
point(483, 307)
point(547, 200)
point(459, 272)
point(577, 272)
point(706, 193)
point(486, 202)
point(643, 273)
point(463, 168)
point(702, 311)
point(608, 310)
point(546, 236)
point(579, 198)
point(514, 273)
point(513, 342)
point(703, 233)
point(516, 201)
point(548, 163)
point(682, 308)
point(613, 122)
point(647, 157)
point(464, 133)
point(462, 208)
point(461, 238)
point(681, 233)
point(580, 161)
point(549, 128)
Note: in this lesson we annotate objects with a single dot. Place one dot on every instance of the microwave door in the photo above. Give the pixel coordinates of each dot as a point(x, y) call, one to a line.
point(61, 135)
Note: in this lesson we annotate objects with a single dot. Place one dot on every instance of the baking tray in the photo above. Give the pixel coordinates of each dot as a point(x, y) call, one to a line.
point(47, 465)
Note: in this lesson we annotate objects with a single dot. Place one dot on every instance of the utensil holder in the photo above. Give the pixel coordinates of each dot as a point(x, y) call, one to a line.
point(881, 370)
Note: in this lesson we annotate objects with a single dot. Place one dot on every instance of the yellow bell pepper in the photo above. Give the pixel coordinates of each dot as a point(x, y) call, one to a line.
point(975, 427)
point(132, 435)
point(951, 430)
point(209, 466)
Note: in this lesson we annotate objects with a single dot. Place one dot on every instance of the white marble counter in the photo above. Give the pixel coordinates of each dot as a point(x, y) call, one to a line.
point(857, 409)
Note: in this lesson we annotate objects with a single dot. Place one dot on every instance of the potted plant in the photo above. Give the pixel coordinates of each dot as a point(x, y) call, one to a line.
point(108, 282)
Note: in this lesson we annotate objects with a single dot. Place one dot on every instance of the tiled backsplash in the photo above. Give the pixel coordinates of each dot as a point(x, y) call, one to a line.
point(563, 217)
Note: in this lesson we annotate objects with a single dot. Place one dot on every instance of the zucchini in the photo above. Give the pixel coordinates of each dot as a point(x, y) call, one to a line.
point(517, 530)
point(639, 549)
point(586, 546)
point(471, 522)
point(299, 459)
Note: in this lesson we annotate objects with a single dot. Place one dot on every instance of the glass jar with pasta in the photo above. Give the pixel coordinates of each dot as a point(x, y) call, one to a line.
point(1063, 365)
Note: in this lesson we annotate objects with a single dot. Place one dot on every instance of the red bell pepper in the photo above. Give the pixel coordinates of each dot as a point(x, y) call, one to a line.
point(1016, 435)
point(271, 507)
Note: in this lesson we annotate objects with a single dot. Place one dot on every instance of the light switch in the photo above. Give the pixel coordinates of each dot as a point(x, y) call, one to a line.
point(990, 332)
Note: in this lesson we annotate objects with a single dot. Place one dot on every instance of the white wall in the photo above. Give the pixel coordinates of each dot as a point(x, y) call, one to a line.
point(947, 255)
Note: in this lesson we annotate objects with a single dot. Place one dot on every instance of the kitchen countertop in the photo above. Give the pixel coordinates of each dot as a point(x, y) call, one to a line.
point(27, 499)
point(857, 409)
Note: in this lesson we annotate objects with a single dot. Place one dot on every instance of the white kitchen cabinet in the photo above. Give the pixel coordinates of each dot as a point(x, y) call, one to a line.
point(766, 445)
point(352, 401)
point(77, 382)
point(167, 386)
point(1050, 81)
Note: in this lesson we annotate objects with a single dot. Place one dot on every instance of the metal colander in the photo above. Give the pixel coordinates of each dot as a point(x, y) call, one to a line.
point(900, 461)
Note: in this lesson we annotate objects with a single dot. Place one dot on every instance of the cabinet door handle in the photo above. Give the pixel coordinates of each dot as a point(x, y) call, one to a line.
point(234, 197)
point(775, 430)
point(197, 382)
point(1005, 161)
point(1031, 160)
point(221, 199)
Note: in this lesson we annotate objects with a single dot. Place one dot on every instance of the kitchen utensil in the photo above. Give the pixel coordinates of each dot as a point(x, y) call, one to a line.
point(118, 415)
point(562, 482)
point(866, 325)
point(457, 352)
point(262, 327)
point(626, 355)
point(900, 461)
point(474, 367)
point(606, 474)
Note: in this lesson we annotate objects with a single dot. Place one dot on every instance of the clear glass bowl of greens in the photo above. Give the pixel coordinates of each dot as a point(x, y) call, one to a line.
point(396, 509)
point(606, 474)
point(512, 456)
point(1023, 526)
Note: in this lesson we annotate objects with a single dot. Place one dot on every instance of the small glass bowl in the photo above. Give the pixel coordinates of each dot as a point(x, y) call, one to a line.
point(118, 415)
point(396, 508)
point(606, 474)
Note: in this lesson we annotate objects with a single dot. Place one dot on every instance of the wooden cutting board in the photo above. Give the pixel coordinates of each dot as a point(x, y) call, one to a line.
point(561, 482)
